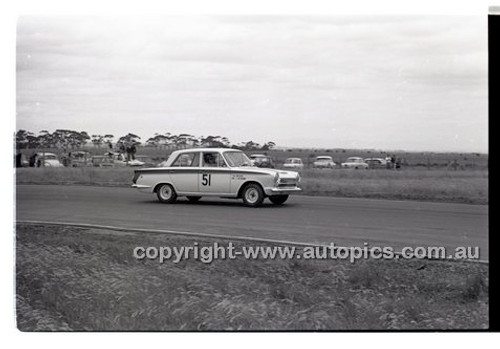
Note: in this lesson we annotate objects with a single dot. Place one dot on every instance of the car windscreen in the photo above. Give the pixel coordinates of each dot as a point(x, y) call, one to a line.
point(237, 159)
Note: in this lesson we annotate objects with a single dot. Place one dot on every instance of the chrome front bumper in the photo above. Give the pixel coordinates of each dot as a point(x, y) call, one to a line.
point(281, 191)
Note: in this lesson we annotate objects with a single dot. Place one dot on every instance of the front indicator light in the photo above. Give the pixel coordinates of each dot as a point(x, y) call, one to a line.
point(276, 178)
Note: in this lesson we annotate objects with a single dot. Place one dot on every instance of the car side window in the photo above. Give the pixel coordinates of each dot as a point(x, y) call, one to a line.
point(213, 159)
point(196, 160)
point(186, 160)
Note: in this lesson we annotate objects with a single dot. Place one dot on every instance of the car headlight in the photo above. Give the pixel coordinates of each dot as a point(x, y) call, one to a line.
point(298, 178)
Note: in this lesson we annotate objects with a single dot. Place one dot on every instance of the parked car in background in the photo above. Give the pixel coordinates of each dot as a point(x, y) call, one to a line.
point(114, 159)
point(118, 159)
point(102, 161)
point(79, 159)
point(324, 161)
point(146, 160)
point(45, 160)
point(261, 160)
point(135, 163)
point(376, 163)
point(163, 163)
point(219, 172)
point(355, 163)
point(294, 163)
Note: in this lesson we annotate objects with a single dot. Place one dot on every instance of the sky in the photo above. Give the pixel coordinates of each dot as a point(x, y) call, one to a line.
point(415, 83)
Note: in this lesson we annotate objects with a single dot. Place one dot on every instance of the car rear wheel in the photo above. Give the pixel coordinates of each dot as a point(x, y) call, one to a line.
point(166, 193)
point(278, 199)
point(253, 195)
point(193, 198)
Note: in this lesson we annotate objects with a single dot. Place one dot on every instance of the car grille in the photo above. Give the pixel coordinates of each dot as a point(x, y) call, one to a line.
point(287, 182)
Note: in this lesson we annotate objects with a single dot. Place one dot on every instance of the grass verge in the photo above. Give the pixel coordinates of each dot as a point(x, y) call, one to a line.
point(87, 280)
point(468, 186)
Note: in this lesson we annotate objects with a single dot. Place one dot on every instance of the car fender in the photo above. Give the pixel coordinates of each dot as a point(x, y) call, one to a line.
point(157, 184)
point(243, 184)
point(153, 180)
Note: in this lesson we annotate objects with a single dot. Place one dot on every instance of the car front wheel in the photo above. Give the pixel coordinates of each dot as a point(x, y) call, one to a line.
point(278, 199)
point(253, 195)
point(166, 194)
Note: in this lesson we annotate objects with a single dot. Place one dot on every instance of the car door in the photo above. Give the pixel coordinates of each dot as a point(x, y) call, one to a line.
point(214, 175)
point(184, 172)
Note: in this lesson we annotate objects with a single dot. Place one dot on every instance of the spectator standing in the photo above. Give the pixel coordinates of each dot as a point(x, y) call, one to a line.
point(393, 161)
point(133, 150)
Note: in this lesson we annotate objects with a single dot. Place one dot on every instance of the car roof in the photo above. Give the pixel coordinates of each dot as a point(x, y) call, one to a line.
point(294, 159)
point(204, 149)
point(323, 157)
point(175, 153)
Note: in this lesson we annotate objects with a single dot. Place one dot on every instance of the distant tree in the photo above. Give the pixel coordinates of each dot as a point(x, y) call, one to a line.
point(66, 139)
point(108, 139)
point(129, 138)
point(152, 141)
point(213, 141)
point(268, 146)
point(97, 140)
point(46, 140)
point(159, 140)
point(239, 145)
point(251, 145)
point(25, 139)
point(185, 140)
point(225, 142)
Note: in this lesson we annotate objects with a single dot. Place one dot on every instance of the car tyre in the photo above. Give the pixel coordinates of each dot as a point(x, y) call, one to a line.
point(278, 199)
point(193, 199)
point(166, 193)
point(253, 195)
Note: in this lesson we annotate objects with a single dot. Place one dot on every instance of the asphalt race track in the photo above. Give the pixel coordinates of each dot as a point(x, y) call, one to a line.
point(343, 221)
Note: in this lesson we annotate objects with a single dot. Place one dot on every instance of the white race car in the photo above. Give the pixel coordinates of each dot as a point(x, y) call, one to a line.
point(221, 172)
point(46, 160)
point(293, 163)
point(355, 163)
point(324, 161)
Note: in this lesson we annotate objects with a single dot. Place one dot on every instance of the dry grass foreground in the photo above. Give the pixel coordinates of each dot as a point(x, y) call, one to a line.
point(463, 186)
point(87, 280)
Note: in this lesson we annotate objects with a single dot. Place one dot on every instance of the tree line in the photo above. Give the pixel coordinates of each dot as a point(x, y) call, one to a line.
point(70, 139)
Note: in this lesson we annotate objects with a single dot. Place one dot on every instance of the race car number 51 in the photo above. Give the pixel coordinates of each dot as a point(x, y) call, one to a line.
point(206, 179)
